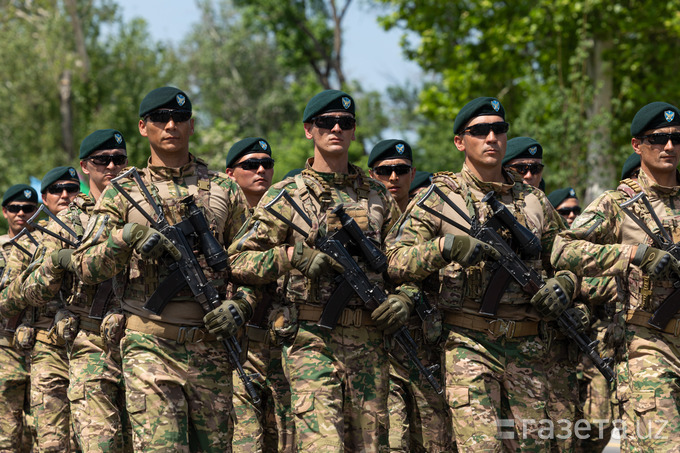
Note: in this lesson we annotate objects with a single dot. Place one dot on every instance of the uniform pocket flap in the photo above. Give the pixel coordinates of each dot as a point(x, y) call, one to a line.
point(75, 391)
point(304, 402)
point(643, 401)
point(136, 402)
point(458, 395)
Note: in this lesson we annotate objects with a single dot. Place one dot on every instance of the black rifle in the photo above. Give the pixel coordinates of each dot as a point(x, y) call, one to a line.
point(671, 305)
point(354, 279)
point(15, 241)
point(187, 271)
point(526, 277)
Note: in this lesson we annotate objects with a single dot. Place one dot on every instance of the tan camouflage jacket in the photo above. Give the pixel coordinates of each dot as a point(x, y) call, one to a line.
point(104, 254)
point(5, 249)
point(602, 237)
point(259, 253)
point(413, 244)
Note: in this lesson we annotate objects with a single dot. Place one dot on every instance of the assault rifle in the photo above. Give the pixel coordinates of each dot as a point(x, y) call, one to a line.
point(662, 240)
point(354, 280)
point(187, 271)
point(526, 277)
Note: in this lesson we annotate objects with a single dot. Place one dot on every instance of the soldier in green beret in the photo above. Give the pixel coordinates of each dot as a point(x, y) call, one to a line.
point(391, 163)
point(421, 180)
point(631, 167)
point(566, 203)
point(250, 164)
point(525, 156)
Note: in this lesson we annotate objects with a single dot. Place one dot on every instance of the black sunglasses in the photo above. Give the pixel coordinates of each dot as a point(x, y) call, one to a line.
point(523, 169)
point(386, 170)
point(105, 160)
point(564, 212)
point(662, 139)
point(254, 164)
point(57, 189)
point(163, 116)
point(483, 129)
point(328, 122)
point(15, 208)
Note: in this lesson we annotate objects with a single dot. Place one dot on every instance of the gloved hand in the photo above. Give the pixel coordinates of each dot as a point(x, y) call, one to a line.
point(393, 313)
point(466, 250)
point(655, 262)
point(61, 259)
point(226, 319)
point(581, 315)
point(311, 262)
point(148, 242)
point(553, 298)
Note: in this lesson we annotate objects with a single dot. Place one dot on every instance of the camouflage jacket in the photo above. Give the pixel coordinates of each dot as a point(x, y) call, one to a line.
point(104, 254)
point(259, 254)
point(5, 249)
point(413, 244)
point(602, 237)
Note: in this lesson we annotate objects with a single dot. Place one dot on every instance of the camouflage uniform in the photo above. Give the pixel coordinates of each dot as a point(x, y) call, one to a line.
point(96, 388)
point(339, 378)
point(49, 360)
point(14, 382)
point(497, 369)
point(178, 382)
point(600, 243)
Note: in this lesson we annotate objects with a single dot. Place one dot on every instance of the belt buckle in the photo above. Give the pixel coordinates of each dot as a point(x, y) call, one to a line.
point(347, 318)
point(181, 335)
point(505, 328)
point(358, 317)
point(676, 331)
point(196, 335)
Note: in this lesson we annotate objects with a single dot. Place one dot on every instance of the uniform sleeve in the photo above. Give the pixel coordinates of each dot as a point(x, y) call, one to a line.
point(11, 297)
point(238, 212)
point(590, 248)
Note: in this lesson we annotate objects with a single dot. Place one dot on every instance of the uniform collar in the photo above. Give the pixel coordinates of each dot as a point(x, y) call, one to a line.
point(486, 187)
point(159, 172)
point(652, 187)
point(355, 175)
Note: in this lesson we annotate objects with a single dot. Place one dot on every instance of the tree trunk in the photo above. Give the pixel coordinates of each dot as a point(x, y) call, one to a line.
point(66, 114)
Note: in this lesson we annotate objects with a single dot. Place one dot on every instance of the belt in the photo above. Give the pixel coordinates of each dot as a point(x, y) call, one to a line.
point(349, 318)
point(89, 324)
point(47, 337)
point(496, 327)
point(641, 318)
point(255, 333)
point(181, 334)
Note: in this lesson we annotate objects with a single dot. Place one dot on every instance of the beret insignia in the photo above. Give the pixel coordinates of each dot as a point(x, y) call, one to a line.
point(181, 99)
point(119, 138)
point(346, 102)
point(72, 172)
point(400, 148)
point(669, 115)
point(27, 193)
point(263, 145)
point(572, 193)
point(532, 150)
point(496, 105)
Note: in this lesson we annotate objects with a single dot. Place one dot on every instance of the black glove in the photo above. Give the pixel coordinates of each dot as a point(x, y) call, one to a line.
point(311, 262)
point(225, 320)
point(148, 242)
point(466, 250)
point(553, 298)
point(655, 262)
point(393, 313)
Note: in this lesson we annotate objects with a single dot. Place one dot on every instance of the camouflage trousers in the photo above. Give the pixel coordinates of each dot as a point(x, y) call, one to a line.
point(648, 386)
point(339, 382)
point(499, 394)
point(97, 395)
point(49, 400)
point(269, 426)
point(178, 396)
point(419, 418)
point(14, 386)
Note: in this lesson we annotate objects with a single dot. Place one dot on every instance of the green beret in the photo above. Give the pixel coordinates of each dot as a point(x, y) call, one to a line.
point(328, 101)
point(654, 116)
point(421, 179)
point(249, 145)
point(101, 139)
point(293, 173)
point(164, 98)
point(58, 174)
point(521, 147)
point(20, 192)
point(477, 107)
point(389, 149)
point(556, 197)
point(629, 165)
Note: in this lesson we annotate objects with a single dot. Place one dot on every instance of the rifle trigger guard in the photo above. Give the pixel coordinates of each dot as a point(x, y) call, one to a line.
point(506, 328)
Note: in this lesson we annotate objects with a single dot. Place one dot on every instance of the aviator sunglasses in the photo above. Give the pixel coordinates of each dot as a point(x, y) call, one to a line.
point(328, 122)
point(15, 208)
point(57, 189)
point(564, 212)
point(104, 160)
point(253, 164)
point(163, 116)
point(483, 129)
point(523, 169)
point(386, 170)
point(662, 139)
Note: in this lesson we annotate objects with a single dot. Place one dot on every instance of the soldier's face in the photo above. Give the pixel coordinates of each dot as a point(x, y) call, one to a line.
point(252, 181)
point(483, 152)
point(17, 220)
point(533, 178)
point(569, 210)
point(104, 165)
point(397, 184)
point(58, 195)
point(662, 158)
point(334, 141)
point(171, 137)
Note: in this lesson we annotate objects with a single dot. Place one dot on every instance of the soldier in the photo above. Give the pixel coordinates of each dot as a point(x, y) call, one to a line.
point(606, 240)
point(631, 167)
point(391, 163)
point(96, 388)
point(267, 427)
point(18, 204)
point(339, 377)
point(178, 381)
point(49, 360)
point(421, 180)
point(566, 203)
point(525, 156)
point(497, 366)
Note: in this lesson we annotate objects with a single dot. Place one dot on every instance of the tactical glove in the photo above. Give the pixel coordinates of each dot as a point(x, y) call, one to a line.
point(312, 263)
point(466, 250)
point(655, 262)
point(553, 298)
point(148, 242)
point(581, 316)
point(225, 320)
point(61, 259)
point(393, 313)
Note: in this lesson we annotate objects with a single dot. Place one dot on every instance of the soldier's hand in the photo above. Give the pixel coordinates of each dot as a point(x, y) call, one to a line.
point(466, 250)
point(311, 262)
point(61, 259)
point(655, 262)
point(148, 242)
point(393, 313)
point(553, 298)
point(226, 319)
point(581, 316)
